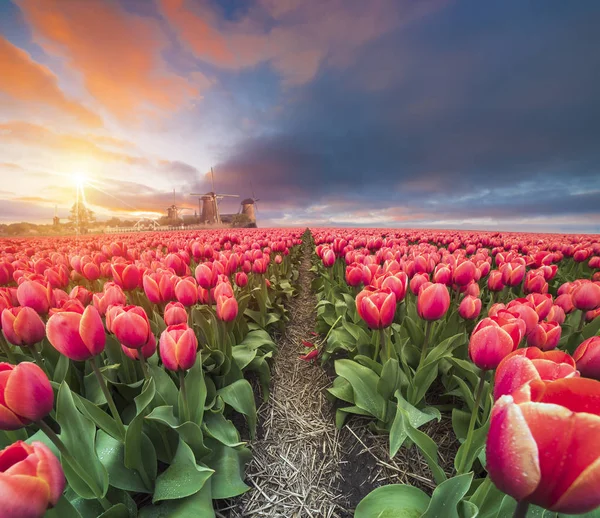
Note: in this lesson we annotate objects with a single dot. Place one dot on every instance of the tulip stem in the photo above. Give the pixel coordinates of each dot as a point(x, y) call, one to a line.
point(144, 364)
point(7, 350)
point(474, 415)
point(426, 341)
point(108, 397)
point(39, 360)
point(186, 408)
point(72, 461)
point(521, 509)
point(581, 321)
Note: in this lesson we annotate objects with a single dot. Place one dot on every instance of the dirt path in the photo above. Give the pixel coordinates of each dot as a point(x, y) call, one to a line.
point(295, 469)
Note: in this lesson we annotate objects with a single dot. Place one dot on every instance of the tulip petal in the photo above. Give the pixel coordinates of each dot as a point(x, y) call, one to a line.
point(63, 332)
point(9, 420)
point(28, 392)
point(23, 496)
point(578, 395)
point(91, 330)
point(50, 470)
point(167, 348)
point(511, 451)
point(512, 373)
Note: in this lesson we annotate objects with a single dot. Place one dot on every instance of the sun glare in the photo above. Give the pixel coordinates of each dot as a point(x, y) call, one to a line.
point(79, 179)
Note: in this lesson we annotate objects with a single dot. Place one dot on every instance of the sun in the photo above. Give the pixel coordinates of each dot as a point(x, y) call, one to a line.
point(79, 179)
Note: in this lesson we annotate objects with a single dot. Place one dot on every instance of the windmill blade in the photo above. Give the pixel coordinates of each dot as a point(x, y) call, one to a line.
point(252, 190)
point(212, 176)
point(228, 195)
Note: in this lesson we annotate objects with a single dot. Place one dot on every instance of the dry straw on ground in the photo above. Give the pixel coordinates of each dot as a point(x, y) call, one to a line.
point(302, 465)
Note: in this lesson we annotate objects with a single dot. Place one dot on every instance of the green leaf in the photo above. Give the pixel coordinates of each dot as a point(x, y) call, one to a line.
point(243, 355)
point(416, 334)
point(364, 384)
point(182, 478)
point(487, 498)
point(78, 433)
point(196, 392)
point(61, 369)
point(63, 509)
point(139, 451)
point(116, 511)
point(471, 450)
point(228, 464)
point(111, 453)
point(165, 386)
point(411, 416)
point(342, 413)
point(376, 367)
point(390, 379)
point(189, 432)
point(446, 497)
point(99, 416)
point(240, 396)
point(341, 389)
point(198, 505)
point(8, 437)
point(393, 501)
point(221, 429)
point(591, 329)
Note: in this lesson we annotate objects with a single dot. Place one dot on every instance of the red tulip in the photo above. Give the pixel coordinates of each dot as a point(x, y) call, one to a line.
point(186, 291)
point(78, 337)
point(206, 276)
point(495, 281)
point(512, 273)
point(586, 296)
point(90, 271)
point(354, 275)
point(376, 307)
point(241, 279)
point(397, 283)
point(469, 308)
point(565, 302)
point(31, 480)
point(175, 313)
point(81, 294)
point(178, 345)
point(544, 335)
point(528, 364)
point(130, 325)
point(328, 258)
point(491, 342)
point(127, 276)
point(556, 314)
point(433, 302)
point(417, 281)
point(35, 295)
point(464, 273)
point(543, 447)
point(227, 308)
point(111, 296)
point(22, 326)
point(146, 350)
point(442, 275)
point(524, 309)
point(25, 395)
point(535, 282)
point(542, 303)
point(587, 356)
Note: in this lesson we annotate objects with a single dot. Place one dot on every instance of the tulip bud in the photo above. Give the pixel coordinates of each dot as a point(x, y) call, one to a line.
point(127, 276)
point(25, 395)
point(32, 480)
point(78, 337)
point(542, 445)
point(186, 291)
point(111, 296)
point(469, 308)
point(131, 326)
point(433, 302)
point(528, 364)
point(525, 310)
point(328, 258)
point(178, 347)
point(81, 294)
point(175, 313)
point(556, 314)
point(227, 308)
point(354, 275)
point(495, 281)
point(587, 356)
point(22, 326)
point(545, 336)
point(417, 281)
point(397, 283)
point(376, 307)
point(542, 303)
point(464, 273)
point(241, 279)
point(490, 343)
point(586, 296)
point(565, 302)
point(35, 295)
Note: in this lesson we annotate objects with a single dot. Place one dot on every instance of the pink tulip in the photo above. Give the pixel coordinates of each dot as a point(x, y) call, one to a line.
point(78, 337)
point(178, 347)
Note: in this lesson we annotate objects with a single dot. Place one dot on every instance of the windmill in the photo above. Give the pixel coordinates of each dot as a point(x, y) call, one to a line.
point(249, 206)
point(173, 211)
point(208, 204)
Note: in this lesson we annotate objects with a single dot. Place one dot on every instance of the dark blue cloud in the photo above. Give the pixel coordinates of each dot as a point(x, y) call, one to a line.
point(498, 100)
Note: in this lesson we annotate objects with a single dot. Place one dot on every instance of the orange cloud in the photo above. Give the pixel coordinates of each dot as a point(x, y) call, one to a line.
point(24, 80)
point(117, 53)
point(297, 37)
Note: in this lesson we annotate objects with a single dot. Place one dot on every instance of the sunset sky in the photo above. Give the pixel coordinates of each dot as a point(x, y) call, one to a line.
point(405, 113)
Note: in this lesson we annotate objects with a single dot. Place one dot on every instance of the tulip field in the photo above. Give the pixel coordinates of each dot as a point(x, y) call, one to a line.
point(134, 369)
